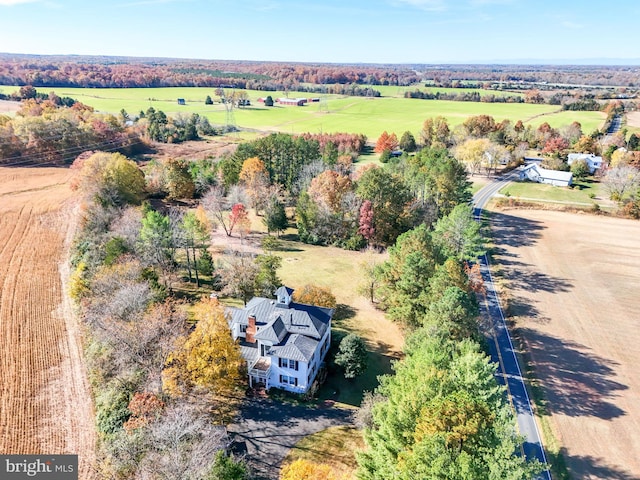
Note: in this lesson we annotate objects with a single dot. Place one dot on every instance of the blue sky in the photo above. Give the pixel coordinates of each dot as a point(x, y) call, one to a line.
point(373, 31)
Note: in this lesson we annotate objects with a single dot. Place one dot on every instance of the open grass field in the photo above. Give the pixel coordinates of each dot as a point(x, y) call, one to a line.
point(45, 404)
point(370, 116)
point(571, 287)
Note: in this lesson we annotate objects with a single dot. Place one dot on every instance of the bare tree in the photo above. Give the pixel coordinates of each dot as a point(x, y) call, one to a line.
point(140, 337)
point(183, 445)
point(621, 180)
point(216, 206)
point(127, 226)
point(239, 276)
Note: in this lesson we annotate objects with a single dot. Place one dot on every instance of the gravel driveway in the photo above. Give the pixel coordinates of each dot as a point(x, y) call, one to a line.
point(266, 429)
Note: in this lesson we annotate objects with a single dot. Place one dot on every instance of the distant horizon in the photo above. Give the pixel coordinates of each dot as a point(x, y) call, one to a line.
point(595, 62)
point(399, 32)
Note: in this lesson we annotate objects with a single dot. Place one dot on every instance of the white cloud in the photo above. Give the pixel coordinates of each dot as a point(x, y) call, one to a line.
point(15, 2)
point(428, 5)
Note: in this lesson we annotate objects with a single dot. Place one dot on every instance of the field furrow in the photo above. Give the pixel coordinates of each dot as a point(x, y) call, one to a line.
point(45, 405)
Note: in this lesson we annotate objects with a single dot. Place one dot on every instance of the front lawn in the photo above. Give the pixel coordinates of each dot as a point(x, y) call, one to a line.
point(335, 446)
point(580, 193)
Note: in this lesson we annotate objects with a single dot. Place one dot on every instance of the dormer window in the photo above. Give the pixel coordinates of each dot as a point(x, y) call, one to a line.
point(283, 295)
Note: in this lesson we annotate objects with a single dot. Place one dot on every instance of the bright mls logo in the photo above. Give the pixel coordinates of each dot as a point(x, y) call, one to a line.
point(51, 467)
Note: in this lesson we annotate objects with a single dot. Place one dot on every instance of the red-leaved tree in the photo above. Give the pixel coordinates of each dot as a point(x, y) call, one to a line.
point(239, 217)
point(366, 229)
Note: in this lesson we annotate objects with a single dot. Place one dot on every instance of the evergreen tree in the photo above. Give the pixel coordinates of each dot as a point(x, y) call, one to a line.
point(352, 356)
point(275, 216)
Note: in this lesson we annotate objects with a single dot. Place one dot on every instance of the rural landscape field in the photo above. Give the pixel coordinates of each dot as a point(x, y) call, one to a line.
point(319, 240)
point(572, 281)
point(44, 393)
point(334, 113)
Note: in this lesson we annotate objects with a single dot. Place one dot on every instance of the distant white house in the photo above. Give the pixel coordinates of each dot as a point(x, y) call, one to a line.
point(283, 342)
point(594, 162)
point(536, 173)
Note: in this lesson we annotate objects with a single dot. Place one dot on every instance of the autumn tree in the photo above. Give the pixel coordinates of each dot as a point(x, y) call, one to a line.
point(238, 217)
point(255, 177)
point(390, 203)
point(386, 142)
point(207, 358)
point(329, 188)
point(479, 126)
point(182, 444)
point(302, 469)
point(315, 295)
point(473, 153)
point(180, 183)
point(436, 133)
point(216, 207)
point(111, 178)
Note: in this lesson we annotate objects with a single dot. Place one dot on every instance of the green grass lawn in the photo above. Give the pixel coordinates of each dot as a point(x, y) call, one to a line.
point(370, 116)
point(579, 194)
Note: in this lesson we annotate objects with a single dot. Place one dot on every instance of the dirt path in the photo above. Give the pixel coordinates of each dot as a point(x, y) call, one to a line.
point(45, 405)
point(572, 286)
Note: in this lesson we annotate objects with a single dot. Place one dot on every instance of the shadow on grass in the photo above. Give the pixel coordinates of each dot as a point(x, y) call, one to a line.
point(344, 312)
point(351, 391)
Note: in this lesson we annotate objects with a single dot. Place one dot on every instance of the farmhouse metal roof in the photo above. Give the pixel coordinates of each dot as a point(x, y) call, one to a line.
point(298, 347)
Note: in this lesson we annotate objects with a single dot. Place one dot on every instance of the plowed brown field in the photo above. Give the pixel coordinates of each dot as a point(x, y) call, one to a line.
point(574, 283)
point(45, 406)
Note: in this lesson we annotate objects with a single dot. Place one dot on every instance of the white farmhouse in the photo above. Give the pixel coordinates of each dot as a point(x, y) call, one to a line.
point(536, 173)
point(283, 342)
point(594, 162)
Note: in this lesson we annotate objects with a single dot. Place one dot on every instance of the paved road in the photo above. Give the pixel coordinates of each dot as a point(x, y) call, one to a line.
point(267, 429)
point(501, 347)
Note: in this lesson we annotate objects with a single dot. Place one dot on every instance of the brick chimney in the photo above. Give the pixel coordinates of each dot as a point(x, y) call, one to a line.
point(251, 329)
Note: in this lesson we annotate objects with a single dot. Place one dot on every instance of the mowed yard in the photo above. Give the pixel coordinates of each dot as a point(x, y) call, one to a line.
point(572, 284)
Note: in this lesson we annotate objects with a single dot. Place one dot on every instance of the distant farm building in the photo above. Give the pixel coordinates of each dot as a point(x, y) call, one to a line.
point(594, 162)
point(535, 173)
point(292, 101)
point(181, 101)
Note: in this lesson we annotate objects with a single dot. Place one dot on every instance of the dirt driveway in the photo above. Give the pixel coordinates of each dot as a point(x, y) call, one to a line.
point(267, 429)
point(573, 286)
